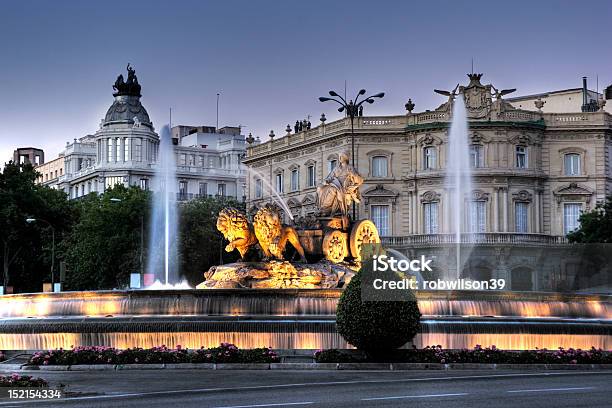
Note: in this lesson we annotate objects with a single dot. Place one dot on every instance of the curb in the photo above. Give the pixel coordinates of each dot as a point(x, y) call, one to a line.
point(310, 366)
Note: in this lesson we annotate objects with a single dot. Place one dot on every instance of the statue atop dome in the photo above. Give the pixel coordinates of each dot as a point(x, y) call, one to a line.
point(131, 87)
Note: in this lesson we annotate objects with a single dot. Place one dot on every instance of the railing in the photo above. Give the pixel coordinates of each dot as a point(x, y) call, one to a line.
point(579, 119)
point(475, 238)
point(520, 115)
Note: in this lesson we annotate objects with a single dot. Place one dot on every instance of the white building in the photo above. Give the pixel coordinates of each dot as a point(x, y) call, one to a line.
point(124, 151)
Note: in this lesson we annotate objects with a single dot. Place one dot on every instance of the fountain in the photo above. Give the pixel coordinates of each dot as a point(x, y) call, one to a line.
point(163, 242)
point(458, 175)
point(273, 193)
point(272, 300)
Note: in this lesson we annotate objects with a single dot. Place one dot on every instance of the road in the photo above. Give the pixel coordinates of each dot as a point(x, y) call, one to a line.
point(261, 389)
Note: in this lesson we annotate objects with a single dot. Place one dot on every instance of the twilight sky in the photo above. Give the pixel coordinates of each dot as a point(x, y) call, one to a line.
point(271, 60)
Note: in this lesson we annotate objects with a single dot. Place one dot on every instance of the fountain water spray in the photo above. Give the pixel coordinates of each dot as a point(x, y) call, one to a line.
point(459, 173)
point(273, 193)
point(163, 253)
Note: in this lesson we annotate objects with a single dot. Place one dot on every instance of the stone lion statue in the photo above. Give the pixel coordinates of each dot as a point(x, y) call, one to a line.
point(235, 227)
point(273, 235)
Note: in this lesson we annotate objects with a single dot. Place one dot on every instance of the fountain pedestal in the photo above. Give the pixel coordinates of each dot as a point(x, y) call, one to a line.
point(278, 275)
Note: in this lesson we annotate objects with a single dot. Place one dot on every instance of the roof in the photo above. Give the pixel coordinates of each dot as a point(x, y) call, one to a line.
point(544, 94)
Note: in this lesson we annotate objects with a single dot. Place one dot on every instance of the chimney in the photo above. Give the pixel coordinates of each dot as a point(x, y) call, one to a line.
point(584, 93)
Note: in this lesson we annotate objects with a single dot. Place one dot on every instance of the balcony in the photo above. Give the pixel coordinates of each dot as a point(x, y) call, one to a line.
point(487, 238)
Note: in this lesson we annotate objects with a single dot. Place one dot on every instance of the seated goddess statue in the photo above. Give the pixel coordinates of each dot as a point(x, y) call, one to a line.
point(340, 189)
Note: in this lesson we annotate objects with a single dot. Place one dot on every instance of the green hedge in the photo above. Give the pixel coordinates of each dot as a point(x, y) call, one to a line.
point(376, 326)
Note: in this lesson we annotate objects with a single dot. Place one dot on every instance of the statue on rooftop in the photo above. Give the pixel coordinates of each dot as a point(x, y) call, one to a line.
point(131, 87)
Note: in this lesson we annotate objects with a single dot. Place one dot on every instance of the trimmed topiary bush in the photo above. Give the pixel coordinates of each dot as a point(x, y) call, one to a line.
point(377, 327)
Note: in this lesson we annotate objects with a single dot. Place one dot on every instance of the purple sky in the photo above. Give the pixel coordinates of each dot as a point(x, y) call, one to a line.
point(271, 60)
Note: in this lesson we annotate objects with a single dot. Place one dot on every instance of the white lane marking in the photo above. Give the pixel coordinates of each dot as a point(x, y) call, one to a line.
point(554, 389)
point(273, 386)
point(269, 405)
point(415, 396)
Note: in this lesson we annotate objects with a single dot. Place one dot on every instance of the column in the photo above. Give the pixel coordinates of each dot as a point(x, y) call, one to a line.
point(505, 208)
point(447, 205)
point(495, 209)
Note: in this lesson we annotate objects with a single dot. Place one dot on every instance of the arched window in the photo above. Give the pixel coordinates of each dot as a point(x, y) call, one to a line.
point(379, 166)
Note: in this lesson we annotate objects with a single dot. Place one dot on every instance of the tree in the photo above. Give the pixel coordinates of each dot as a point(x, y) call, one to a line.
point(201, 244)
point(27, 248)
point(104, 246)
point(595, 225)
point(376, 326)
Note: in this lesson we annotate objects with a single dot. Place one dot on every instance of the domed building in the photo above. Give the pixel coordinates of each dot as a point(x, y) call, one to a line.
point(124, 151)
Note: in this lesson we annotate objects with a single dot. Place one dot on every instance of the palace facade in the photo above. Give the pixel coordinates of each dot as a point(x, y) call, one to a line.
point(533, 172)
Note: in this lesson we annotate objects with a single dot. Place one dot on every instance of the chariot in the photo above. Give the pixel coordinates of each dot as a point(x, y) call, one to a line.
point(337, 238)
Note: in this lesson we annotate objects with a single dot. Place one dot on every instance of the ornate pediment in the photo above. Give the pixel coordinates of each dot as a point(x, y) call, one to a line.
point(380, 191)
point(479, 195)
point(308, 200)
point(479, 138)
point(293, 203)
point(429, 139)
point(520, 139)
point(573, 189)
point(573, 192)
point(430, 196)
point(522, 195)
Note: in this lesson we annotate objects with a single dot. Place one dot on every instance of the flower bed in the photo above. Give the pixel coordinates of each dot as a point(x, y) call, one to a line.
point(17, 380)
point(225, 353)
point(488, 355)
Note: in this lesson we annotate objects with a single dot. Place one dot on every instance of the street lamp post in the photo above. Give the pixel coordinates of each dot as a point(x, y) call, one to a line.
point(33, 220)
point(352, 109)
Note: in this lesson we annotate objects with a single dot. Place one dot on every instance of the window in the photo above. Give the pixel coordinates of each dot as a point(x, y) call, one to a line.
point(521, 157)
point(183, 189)
point(109, 182)
point(144, 183)
point(476, 216)
point(182, 159)
point(380, 217)
point(126, 150)
point(571, 213)
point(430, 158)
point(258, 188)
point(312, 176)
point(279, 182)
point(331, 165)
point(521, 211)
point(221, 190)
point(203, 190)
point(572, 164)
point(379, 166)
point(109, 150)
point(295, 180)
point(137, 148)
point(118, 149)
point(201, 161)
point(476, 156)
point(430, 218)
point(61, 171)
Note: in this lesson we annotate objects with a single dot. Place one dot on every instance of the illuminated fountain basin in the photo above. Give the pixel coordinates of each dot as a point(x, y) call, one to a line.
point(293, 319)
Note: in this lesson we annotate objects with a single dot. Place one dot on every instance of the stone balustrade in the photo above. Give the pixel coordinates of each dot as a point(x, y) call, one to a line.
point(491, 238)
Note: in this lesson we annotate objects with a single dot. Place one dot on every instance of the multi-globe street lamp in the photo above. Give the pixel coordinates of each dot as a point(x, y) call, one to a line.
point(352, 109)
point(33, 220)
